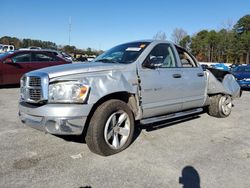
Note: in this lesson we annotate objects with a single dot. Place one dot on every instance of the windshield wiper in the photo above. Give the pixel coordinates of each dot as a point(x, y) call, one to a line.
point(107, 60)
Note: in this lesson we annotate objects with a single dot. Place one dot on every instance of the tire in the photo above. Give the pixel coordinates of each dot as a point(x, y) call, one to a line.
point(111, 128)
point(220, 106)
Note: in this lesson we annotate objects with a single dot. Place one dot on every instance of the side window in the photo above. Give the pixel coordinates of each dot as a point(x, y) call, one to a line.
point(186, 60)
point(21, 57)
point(162, 54)
point(42, 57)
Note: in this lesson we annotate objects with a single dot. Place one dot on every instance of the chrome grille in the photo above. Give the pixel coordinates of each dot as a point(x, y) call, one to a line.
point(35, 94)
point(34, 88)
point(34, 81)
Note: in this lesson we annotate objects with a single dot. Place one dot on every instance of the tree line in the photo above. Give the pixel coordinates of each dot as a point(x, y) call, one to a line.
point(25, 43)
point(228, 45)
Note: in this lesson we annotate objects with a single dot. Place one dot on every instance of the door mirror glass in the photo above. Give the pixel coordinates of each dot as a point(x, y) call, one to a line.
point(8, 60)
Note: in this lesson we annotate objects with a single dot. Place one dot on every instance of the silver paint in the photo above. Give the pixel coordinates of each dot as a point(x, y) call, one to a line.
point(156, 91)
point(228, 86)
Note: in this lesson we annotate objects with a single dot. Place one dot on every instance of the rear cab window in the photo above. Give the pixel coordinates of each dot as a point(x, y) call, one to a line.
point(186, 59)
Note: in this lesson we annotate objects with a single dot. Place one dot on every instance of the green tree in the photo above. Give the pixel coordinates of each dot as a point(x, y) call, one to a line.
point(199, 46)
point(69, 49)
point(186, 42)
point(10, 41)
point(243, 24)
point(242, 29)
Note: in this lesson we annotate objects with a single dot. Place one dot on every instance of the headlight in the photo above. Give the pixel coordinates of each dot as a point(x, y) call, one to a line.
point(68, 92)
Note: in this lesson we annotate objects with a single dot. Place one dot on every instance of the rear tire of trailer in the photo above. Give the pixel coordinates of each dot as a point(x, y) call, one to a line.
point(220, 106)
point(111, 128)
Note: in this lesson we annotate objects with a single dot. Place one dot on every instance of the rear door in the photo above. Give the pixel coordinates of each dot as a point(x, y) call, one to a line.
point(12, 72)
point(44, 59)
point(161, 88)
point(194, 78)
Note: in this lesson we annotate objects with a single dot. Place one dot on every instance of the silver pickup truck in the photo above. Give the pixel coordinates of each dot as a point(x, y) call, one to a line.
point(142, 82)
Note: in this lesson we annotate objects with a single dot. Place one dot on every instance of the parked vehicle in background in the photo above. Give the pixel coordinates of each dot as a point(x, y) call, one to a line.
point(220, 66)
point(56, 52)
point(242, 75)
point(81, 59)
point(14, 64)
point(142, 81)
point(31, 48)
point(60, 54)
point(91, 58)
point(6, 48)
point(204, 66)
point(233, 66)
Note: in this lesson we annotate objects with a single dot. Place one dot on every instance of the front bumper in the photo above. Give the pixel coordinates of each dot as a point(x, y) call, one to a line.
point(58, 119)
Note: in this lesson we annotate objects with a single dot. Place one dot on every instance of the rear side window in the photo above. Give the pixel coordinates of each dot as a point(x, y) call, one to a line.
point(42, 57)
point(21, 57)
point(187, 60)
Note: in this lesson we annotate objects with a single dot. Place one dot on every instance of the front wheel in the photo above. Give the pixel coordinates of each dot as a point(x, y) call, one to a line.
point(111, 128)
point(220, 106)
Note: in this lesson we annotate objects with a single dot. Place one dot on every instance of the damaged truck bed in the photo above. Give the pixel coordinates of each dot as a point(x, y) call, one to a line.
point(223, 82)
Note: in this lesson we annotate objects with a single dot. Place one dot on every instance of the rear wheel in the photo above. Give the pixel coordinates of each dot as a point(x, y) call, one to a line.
point(111, 128)
point(220, 106)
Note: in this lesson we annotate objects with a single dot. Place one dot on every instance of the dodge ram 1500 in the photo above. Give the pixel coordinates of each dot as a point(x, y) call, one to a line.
point(142, 82)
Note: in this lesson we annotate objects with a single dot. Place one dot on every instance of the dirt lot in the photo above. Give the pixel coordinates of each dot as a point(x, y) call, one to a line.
point(202, 151)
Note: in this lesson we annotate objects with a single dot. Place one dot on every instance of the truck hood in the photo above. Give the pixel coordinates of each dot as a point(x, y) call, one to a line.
point(78, 68)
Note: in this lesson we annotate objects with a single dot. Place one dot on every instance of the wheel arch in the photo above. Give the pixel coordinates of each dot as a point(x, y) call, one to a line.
point(219, 93)
point(129, 98)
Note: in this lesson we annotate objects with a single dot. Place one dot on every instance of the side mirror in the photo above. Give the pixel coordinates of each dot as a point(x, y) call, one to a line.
point(8, 60)
point(154, 62)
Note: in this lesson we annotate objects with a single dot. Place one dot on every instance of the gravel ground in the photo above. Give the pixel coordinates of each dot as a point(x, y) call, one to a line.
point(201, 151)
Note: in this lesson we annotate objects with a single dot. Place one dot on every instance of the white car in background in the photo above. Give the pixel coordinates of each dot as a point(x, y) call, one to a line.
point(6, 48)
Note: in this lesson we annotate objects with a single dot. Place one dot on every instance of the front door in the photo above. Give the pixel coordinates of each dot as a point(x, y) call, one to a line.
point(161, 87)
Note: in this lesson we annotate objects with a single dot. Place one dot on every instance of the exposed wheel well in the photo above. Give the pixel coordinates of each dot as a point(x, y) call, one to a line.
point(211, 95)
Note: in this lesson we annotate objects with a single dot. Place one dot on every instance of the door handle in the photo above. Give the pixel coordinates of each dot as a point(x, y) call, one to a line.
point(177, 75)
point(200, 74)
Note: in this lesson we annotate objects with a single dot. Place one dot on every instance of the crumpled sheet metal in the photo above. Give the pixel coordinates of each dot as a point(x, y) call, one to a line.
point(106, 82)
point(228, 85)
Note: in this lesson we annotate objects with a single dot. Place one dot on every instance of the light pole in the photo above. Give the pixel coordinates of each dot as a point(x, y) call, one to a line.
point(70, 23)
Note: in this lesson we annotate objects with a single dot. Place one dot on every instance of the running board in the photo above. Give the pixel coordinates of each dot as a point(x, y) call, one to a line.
point(170, 116)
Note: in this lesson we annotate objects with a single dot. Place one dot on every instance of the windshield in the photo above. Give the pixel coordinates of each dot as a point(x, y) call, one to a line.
point(125, 53)
point(242, 69)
